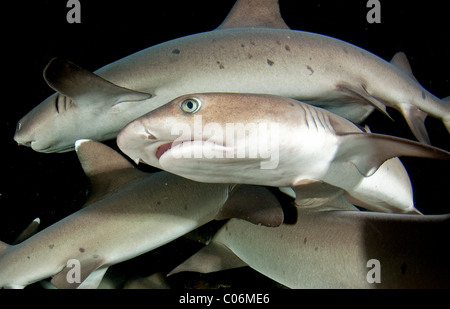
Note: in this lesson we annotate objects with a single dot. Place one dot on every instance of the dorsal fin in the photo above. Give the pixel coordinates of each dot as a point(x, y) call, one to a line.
point(107, 170)
point(85, 87)
point(254, 13)
point(401, 61)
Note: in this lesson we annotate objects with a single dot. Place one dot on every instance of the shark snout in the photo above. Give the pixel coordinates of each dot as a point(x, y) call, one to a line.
point(134, 138)
point(20, 137)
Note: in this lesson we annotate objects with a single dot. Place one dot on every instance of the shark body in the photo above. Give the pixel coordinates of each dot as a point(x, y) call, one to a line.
point(128, 213)
point(253, 51)
point(276, 141)
point(335, 249)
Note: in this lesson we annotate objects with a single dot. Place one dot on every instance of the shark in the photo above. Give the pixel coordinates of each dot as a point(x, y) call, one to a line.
point(334, 249)
point(252, 51)
point(128, 213)
point(276, 141)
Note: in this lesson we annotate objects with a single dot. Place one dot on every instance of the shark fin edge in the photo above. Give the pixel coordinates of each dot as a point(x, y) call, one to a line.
point(29, 231)
point(74, 274)
point(367, 152)
point(254, 13)
point(254, 204)
point(211, 258)
point(416, 121)
point(401, 61)
point(85, 87)
point(362, 95)
point(106, 169)
point(446, 120)
point(319, 196)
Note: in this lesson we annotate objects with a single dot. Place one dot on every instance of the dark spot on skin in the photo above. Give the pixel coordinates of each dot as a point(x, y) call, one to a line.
point(310, 69)
point(242, 45)
point(51, 246)
point(423, 95)
point(28, 257)
point(250, 56)
point(158, 202)
point(278, 42)
point(286, 47)
point(304, 240)
point(281, 236)
point(403, 268)
point(81, 249)
point(310, 58)
point(220, 65)
point(292, 104)
point(345, 50)
point(185, 207)
point(253, 43)
point(270, 62)
point(95, 256)
point(316, 248)
point(176, 51)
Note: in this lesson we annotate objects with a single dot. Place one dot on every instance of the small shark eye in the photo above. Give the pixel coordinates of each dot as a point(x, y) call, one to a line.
point(190, 105)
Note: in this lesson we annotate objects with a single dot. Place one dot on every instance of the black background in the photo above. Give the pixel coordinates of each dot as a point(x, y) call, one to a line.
point(51, 186)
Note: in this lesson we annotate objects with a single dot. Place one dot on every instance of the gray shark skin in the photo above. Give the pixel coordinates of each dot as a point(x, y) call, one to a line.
point(333, 249)
point(322, 156)
point(253, 51)
point(128, 213)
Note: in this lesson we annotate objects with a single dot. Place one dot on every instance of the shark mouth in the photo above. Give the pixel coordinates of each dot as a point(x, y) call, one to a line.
point(166, 147)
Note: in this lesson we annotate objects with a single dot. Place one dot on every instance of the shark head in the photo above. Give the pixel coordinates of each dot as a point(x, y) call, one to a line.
point(83, 100)
point(219, 133)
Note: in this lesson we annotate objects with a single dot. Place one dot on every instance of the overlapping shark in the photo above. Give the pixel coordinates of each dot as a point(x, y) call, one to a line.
point(252, 51)
point(280, 142)
point(334, 250)
point(128, 213)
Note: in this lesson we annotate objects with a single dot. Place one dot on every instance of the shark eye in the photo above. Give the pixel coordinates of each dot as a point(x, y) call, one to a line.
point(190, 105)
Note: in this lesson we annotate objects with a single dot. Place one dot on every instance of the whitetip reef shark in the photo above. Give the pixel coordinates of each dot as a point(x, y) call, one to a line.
point(335, 249)
point(128, 213)
point(276, 141)
point(252, 51)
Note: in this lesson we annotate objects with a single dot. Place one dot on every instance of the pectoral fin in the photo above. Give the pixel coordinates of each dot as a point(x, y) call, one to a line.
point(75, 273)
point(252, 203)
point(85, 87)
point(367, 152)
point(211, 258)
point(360, 93)
point(320, 196)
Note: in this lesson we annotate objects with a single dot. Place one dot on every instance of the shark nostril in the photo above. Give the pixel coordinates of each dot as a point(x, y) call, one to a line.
point(150, 135)
point(27, 144)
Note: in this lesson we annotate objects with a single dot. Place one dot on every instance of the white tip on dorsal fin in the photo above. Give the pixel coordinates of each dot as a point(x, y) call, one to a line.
point(107, 170)
point(254, 13)
point(401, 61)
